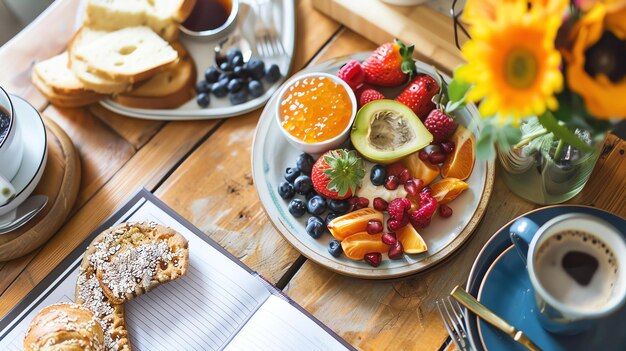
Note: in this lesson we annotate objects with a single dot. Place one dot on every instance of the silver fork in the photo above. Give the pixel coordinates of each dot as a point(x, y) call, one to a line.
point(454, 321)
point(268, 40)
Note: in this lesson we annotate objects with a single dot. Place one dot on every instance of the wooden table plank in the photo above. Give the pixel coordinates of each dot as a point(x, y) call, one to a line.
point(401, 314)
point(146, 168)
point(135, 131)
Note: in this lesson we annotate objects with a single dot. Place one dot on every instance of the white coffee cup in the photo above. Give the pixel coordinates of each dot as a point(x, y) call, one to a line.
point(11, 150)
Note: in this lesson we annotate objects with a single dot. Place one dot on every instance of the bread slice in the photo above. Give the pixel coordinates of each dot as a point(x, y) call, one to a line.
point(127, 55)
point(83, 37)
point(72, 100)
point(55, 73)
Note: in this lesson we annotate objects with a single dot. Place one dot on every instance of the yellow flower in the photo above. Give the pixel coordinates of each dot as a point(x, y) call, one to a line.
point(596, 62)
point(610, 5)
point(477, 10)
point(512, 62)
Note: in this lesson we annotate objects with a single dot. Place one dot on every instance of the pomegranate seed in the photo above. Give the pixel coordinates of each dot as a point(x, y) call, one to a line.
point(426, 189)
point(423, 155)
point(411, 187)
point(374, 226)
point(380, 204)
point(394, 225)
point(373, 258)
point(436, 157)
point(353, 200)
point(404, 176)
point(447, 146)
point(392, 183)
point(445, 211)
point(363, 202)
point(396, 251)
point(389, 239)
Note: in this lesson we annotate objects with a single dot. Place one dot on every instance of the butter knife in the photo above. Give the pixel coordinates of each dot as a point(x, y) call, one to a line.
point(488, 316)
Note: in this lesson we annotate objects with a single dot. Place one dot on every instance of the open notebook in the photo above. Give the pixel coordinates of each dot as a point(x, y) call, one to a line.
point(219, 305)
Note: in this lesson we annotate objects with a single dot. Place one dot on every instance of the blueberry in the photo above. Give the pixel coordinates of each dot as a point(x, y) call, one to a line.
point(225, 75)
point(240, 72)
point(315, 227)
point(286, 190)
point(339, 206)
point(226, 67)
point(378, 175)
point(220, 89)
point(316, 205)
point(239, 97)
point(334, 248)
point(255, 88)
point(297, 207)
point(234, 85)
point(310, 195)
point(305, 162)
point(211, 75)
point(303, 184)
point(272, 74)
point(232, 53)
point(237, 61)
point(256, 67)
point(202, 87)
point(330, 217)
point(203, 99)
point(291, 173)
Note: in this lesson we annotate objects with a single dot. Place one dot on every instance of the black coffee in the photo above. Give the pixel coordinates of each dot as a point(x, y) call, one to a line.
point(580, 266)
point(5, 121)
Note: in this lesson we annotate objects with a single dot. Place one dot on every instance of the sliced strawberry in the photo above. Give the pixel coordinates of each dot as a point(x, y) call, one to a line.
point(337, 174)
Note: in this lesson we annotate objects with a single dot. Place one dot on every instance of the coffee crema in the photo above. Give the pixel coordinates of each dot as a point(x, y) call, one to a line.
point(577, 269)
point(5, 123)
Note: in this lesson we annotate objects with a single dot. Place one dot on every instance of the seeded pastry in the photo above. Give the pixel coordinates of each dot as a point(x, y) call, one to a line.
point(124, 262)
point(64, 327)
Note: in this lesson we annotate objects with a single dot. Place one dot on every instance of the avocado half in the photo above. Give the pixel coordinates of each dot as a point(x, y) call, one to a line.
point(385, 131)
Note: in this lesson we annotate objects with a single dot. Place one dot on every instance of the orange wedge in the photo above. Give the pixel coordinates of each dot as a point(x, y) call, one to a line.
point(357, 245)
point(460, 163)
point(447, 189)
point(353, 222)
point(425, 171)
point(411, 240)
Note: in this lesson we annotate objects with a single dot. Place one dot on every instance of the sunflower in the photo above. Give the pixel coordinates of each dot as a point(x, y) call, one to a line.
point(477, 10)
point(596, 62)
point(512, 62)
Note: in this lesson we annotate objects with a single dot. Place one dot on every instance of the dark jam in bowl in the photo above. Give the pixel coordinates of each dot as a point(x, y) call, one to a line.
point(5, 123)
point(208, 15)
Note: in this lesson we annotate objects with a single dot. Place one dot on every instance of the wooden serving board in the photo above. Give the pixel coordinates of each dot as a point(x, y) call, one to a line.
point(60, 182)
point(431, 31)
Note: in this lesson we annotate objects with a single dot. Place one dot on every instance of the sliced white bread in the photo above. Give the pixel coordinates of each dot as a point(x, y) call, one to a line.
point(55, 73)
point(91, 81)
point(65, 100)
point(127, 55)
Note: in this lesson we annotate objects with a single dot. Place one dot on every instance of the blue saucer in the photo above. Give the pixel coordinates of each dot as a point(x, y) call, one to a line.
point(506, 289)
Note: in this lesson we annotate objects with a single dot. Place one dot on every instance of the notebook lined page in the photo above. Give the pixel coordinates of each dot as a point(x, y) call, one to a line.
point(278, 326)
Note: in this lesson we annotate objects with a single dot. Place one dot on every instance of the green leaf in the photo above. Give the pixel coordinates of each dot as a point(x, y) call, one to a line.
point(454, 105)
point(549, 122)
point(458, 89)
point(484, 145)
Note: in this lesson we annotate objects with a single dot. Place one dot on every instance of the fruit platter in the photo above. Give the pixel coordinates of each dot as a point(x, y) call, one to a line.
point(367, 167)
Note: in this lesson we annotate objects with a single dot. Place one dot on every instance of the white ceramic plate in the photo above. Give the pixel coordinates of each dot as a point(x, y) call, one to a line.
point(202, 54)
point(271, 154)
point(34, 137)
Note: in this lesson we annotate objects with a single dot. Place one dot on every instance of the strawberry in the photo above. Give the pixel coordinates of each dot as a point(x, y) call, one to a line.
point(352, 73)
point(337, 174)
point(440, 125)
point(369, 95)
point(418, 95)
point(391, 64)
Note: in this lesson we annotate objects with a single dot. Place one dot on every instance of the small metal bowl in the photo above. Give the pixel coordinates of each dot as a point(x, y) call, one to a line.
point(219, 32)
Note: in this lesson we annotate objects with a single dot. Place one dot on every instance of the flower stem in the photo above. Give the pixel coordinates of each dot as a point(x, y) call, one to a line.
point(531, 137)
point(559, 150)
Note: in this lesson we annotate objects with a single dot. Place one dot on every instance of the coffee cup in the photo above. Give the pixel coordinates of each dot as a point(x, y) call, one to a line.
point(577, 267)
point(11, 148)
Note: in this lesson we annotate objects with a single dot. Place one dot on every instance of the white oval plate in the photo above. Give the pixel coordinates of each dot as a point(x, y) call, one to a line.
point(202, 54)
point(35, 154)
point(271, 154)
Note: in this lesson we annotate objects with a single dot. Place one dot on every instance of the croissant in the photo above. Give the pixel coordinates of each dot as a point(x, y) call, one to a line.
point(64, 327)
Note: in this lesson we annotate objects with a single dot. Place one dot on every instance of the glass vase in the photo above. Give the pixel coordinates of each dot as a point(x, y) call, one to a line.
point(545, 170)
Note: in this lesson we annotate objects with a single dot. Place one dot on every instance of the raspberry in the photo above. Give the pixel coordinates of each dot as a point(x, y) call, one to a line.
point(369, 95)
point(439, 125)
point(428, 205)
point(395, 169)
point(398, 208)
point(380, 204)
point(352, 73)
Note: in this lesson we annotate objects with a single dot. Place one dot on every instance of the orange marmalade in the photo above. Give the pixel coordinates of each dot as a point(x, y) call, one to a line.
point(315, 109)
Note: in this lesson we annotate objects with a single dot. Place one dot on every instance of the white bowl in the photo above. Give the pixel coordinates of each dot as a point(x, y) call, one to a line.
point(323, 146)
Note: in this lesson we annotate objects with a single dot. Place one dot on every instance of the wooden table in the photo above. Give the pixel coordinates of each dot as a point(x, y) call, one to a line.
point(202, 170)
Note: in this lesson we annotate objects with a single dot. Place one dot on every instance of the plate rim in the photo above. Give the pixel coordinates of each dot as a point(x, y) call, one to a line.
point(364, 272)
